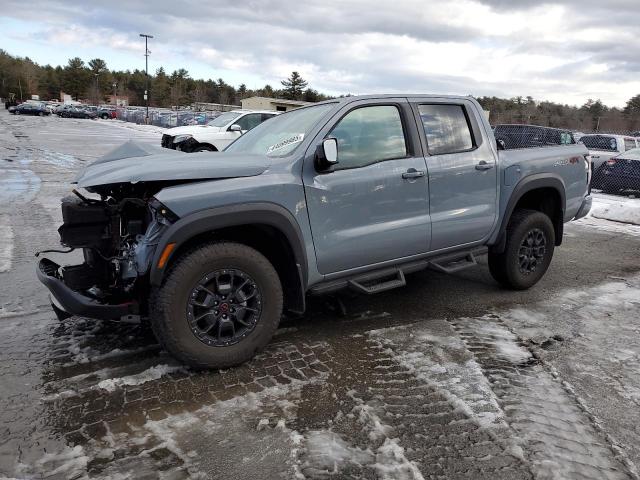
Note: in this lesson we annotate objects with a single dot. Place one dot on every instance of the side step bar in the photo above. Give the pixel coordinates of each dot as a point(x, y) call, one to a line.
point(453, 263)
point(392, 277)
point(377, 282)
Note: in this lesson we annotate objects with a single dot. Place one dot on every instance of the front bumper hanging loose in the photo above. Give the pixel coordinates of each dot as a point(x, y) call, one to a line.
point(67, 302)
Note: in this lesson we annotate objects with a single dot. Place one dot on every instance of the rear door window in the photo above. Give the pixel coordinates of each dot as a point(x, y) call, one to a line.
point(446, 128)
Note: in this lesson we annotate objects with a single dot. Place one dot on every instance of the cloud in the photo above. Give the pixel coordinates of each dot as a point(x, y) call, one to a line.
point(564, 51)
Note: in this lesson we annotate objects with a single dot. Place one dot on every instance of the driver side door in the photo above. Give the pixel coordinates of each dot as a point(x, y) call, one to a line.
point(372, 206)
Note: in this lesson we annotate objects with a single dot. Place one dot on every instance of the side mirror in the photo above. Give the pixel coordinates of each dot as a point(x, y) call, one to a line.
point(330, 147)
point(327, 154)
point(235, 128)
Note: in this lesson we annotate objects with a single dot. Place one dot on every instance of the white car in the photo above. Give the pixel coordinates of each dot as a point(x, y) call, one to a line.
point(217, 134)
point(603, 146)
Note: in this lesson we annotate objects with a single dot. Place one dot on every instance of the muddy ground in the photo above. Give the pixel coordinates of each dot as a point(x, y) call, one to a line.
point(450, 377)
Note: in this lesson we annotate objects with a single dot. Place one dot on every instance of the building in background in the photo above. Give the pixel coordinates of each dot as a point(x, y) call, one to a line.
point(267, 103)
point(213, 107)
point(118, 100)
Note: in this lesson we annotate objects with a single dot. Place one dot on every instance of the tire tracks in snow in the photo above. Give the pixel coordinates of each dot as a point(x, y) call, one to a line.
point(561, 439)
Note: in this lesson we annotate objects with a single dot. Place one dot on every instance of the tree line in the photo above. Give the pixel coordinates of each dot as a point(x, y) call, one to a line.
point(593, 116)
point(94, 81)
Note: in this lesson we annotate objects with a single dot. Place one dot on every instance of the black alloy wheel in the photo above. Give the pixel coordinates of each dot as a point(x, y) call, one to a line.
point(224, 307)
point(532, 251)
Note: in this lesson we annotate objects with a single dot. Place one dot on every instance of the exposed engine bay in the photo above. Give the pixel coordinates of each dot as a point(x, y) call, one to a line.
point(118, 233)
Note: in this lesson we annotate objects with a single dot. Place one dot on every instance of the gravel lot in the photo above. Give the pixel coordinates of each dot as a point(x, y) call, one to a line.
point(450, 377)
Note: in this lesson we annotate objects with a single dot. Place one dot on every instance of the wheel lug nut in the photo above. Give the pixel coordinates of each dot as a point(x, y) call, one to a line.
point(216, 312)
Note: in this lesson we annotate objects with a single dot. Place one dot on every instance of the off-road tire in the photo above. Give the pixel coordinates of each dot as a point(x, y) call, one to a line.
point(505, 267)
point(168, 304)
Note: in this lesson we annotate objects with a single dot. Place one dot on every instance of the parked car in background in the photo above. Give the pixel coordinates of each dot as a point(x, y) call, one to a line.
point(61, 110)
point(217, 134)
point(621, 172)
point(531, 136)
point(78, 112)
point(602, 147)
point(30, 109)
point(351, 193)
point(106, 113)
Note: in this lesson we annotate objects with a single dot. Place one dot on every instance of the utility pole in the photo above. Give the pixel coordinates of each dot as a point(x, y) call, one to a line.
point(146, 71)
point(115, 94)
point(97, 95)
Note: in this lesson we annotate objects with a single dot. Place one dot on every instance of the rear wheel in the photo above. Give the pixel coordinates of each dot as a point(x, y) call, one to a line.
point(528, 253)
point(220, 304)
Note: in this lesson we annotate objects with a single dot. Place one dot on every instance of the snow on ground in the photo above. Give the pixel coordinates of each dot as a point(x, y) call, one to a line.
point(612, 213)
point(150, 129)
point(446, 364)
point(18, 185)
point(616, 208)
point(153, 373)
point(6, 246)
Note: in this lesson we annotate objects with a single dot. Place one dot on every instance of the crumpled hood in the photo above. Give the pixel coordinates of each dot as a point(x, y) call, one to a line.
point(192, 129)
point(136, 162)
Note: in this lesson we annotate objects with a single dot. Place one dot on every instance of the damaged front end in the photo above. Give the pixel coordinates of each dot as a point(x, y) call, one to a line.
point(118, 234)
point(119, 222)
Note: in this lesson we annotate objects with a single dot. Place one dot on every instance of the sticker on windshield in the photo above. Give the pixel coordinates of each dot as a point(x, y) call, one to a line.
point(286, 142)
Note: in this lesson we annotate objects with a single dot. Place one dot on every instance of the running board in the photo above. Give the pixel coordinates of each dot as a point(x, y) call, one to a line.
point(453, 263)
point(392, 277)
point(378, 281)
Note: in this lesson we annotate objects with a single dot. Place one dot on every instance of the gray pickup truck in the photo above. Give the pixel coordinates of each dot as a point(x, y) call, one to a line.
point(349, 193)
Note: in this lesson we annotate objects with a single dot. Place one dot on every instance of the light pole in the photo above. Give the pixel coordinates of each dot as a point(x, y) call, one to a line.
point(146, 71)
point(115, 94)
point(96, 75)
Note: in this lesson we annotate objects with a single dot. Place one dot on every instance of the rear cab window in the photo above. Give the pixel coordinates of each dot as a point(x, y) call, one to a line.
point(447, 128)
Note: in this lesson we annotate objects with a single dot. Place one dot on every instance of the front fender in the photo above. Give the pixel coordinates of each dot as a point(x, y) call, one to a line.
point(211, 219)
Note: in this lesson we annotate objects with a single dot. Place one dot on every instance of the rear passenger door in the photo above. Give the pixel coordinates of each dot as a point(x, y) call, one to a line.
point(463, 175)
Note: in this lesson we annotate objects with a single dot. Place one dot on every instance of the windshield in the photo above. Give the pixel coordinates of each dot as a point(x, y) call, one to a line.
point(600, 142)
point(282, 134)
point(224, 119)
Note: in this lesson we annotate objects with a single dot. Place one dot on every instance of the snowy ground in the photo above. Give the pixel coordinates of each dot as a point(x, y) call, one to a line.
point(616, 208)
point(450, 377)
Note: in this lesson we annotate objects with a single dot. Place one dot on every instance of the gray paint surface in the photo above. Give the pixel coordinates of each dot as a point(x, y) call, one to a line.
point(364, 218)
point(139, 163)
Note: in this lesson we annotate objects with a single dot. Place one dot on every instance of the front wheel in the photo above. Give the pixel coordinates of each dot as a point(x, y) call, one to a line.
point(219, 305)
point(528, 253)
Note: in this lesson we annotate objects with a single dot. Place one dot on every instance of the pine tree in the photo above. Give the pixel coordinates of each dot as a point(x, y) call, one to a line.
point(294, 86)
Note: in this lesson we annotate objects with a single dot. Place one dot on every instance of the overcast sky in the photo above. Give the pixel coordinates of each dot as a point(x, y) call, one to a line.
point(565, 51)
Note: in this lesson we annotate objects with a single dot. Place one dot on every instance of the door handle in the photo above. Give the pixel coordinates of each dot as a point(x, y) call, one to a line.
point(413, 173)
point(484, 165)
